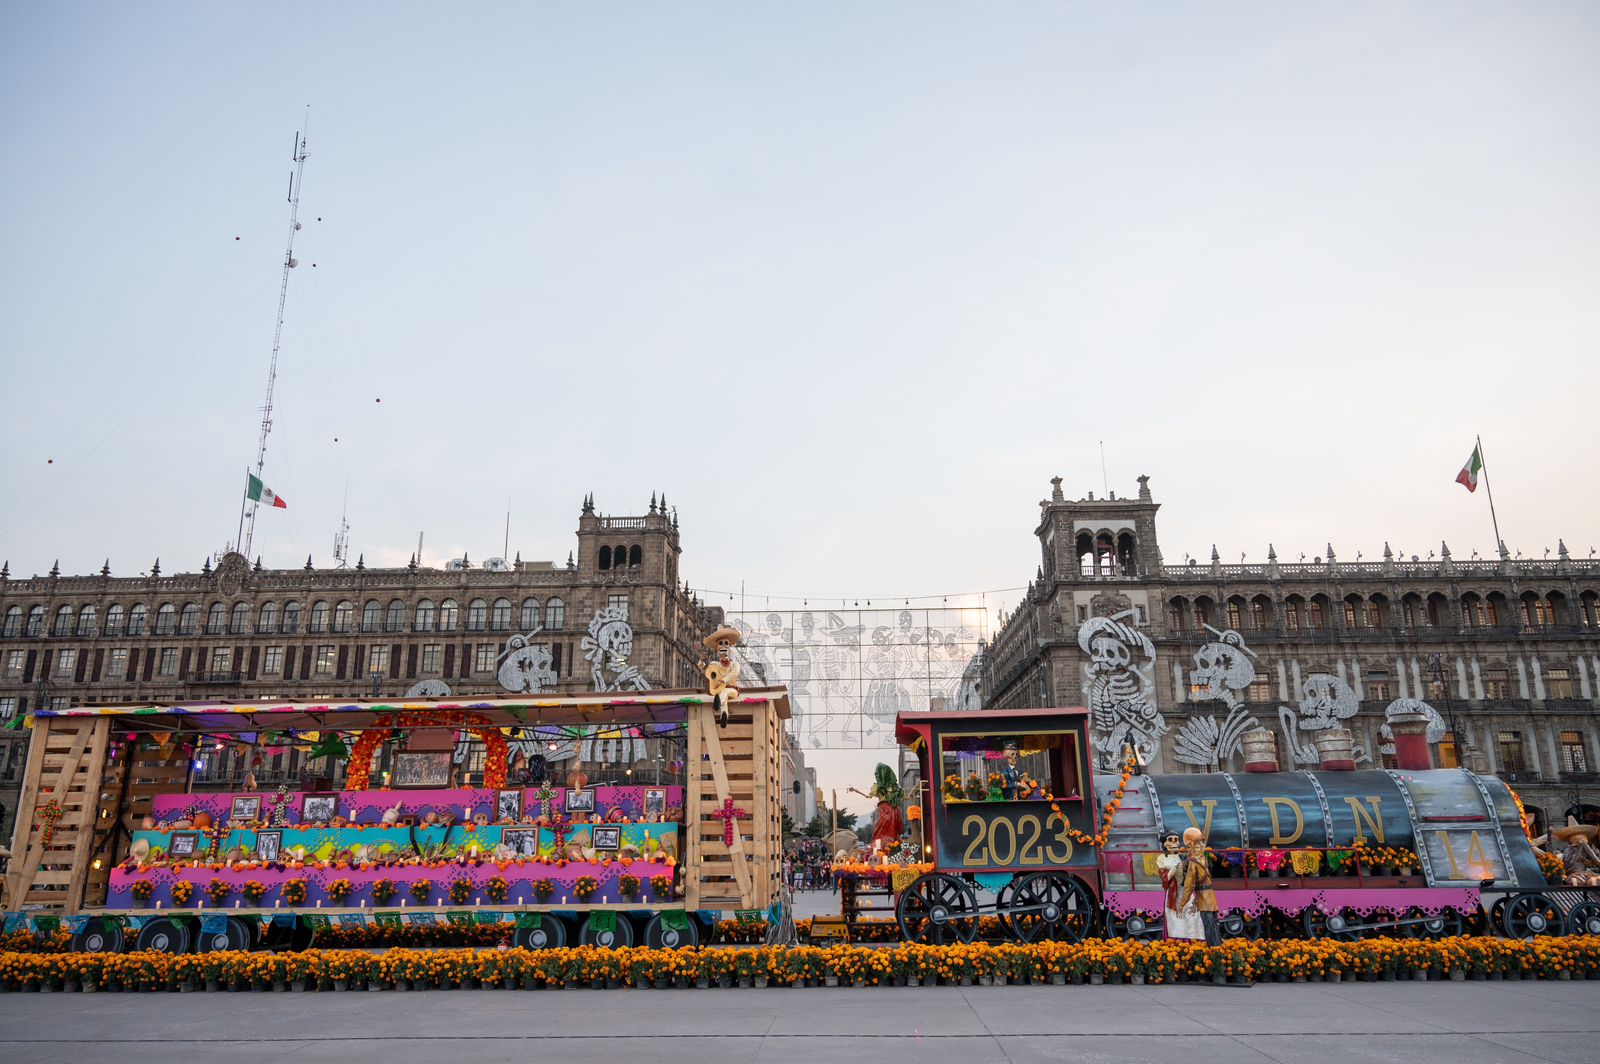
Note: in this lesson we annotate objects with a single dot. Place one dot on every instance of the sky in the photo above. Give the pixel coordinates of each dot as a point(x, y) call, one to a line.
point(849, 283)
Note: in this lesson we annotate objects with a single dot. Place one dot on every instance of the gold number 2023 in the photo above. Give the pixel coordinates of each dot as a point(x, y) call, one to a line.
point(996, 843)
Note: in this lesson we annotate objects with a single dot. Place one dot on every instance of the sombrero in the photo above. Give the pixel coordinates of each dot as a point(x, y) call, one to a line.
point(1575, 830)
point(720, 634)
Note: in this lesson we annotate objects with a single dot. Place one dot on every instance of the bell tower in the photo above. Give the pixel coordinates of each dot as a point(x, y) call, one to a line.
point(1099, 540)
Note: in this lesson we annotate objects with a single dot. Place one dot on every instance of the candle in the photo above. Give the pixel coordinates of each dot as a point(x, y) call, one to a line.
point(402, 903)
point(236, 903)
point(363, 903)
point(276, 902)
point(319, 903)
point(158, 904)
point(469, 812)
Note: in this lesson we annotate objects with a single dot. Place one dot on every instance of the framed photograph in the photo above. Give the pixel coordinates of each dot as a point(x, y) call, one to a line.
point(523, 842)
point(608, 837)
point(421, 768)
point(185, 843)
point(509, 806)
point(269, 844)
point(655, 801)
point(318, 808)
point(581, 801)
point(246, 809)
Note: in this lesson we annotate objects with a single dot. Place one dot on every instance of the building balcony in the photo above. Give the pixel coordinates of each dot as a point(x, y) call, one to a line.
point(214, 679)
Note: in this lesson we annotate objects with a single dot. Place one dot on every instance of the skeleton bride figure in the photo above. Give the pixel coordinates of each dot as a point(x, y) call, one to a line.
point(1182, 921)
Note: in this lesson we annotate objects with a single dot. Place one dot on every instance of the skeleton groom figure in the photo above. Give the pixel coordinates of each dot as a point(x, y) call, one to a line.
point(722, 671)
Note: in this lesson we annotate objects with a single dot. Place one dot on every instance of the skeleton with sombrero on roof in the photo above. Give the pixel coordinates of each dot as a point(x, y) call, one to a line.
point(1580, 859)
point(722, 671)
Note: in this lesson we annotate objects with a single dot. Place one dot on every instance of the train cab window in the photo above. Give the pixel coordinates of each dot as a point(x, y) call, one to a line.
point(991, 768)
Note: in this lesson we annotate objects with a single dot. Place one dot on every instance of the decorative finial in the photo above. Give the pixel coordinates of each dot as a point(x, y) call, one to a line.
point(663, 502)
point(105, 570)
point(1331, 557)
point(1444, 549)
point(1272, 554)
point(1144, 488)
point(411, 566)
point(1561, 550)
point(55, 569)
point(361, 561)
point(155, 570)
point(1388, 555)
point(1214, 555)
point(652, 502)
point(518, 562)
point(1055, 490)
point(308, 563)
point(258, 563)
point(5, 571)
point(205, 567)
point(588, 504)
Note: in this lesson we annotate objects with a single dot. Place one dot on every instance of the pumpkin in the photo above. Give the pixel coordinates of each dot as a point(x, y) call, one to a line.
point(201, 820)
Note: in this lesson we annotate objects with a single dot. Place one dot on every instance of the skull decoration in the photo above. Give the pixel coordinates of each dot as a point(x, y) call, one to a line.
point(1328, 701)
point(1119, 691)
point(1107, 654)
point(1222, 669)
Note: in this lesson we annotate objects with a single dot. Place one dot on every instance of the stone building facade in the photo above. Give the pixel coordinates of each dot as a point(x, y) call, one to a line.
point(616, 615)
point(1502, 655)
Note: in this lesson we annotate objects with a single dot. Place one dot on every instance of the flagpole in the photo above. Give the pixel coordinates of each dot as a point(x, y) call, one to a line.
point(1499, 544)
point(238, 540)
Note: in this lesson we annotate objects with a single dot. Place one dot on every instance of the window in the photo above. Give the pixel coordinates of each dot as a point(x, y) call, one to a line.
point(63, 625)
point(1558, 683)
point(1510, 749)
point(477, 615)
point(216, 619)
point(36, 620)
point(168, 665)
point(371, 616)
point(1378, 689)
point(605, 557)
point(1259, 691)
point(1537, 613)
point(1319, 616)
point(13, 626)
point(344, 615)
point(1083, 614)
point(136, 618)
point(221, 659)
point(449, 615)
point(1350, 615)
point(1449, 756)
point(1235, 615)
point(530, 614)
point(1291, 616)
point(378, 658)
point(501, 618)
point(268, 624)
point(14, 662)
point(319, 618)
point(86, 621)
point(484, 662)
point(272, 661)
point(117, 663)
point(8, 709)
point(635, 556)
point(291, 618)
point(325, 659)
point(555, 614)
point(1258, 614)
point(432, 654)
point(66, 661)
point(1573, 756)
point(189, 619)
point(1374, 615)
point(618, 603)
point(1497, 683)
point(114, 619)
point(424, 622)
point(396, 621)
point(239, 621)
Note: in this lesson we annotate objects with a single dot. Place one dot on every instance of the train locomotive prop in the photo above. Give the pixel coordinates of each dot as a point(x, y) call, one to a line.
point(119, 846)
point(1012, 806)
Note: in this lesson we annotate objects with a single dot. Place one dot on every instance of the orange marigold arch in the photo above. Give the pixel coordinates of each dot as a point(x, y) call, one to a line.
point(359, 775)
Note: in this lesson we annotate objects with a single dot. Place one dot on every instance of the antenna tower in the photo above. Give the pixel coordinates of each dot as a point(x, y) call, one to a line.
point(341, 538)
point(248, 521)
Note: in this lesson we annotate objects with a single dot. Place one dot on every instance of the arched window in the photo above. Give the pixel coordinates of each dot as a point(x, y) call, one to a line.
point(291, 618)
point(136, 618)
point(1260, 612)
point(86, 621)
point(1496, 609)
point(530, 614)
point(114, 619)
point(1236, 613)
point(216, 619)
point(1377, 612)
point(1125, 553)
point(1294, 613)
point(619, 556)
point(13, 626)
point(424, 620)
point(1589, 609)
point(449, 615)
point(188, 618)
point(371, 616)
point(1083, 550)
point(319, 617)
point(268, 623)
point(477, 615)
point(501, 618)
point(1178, 614)
point(344, 616)
point(1317, 615)
point(396, 621)
point(1412, 612)
point(166, 619)
point(239, 621)
point(1202, 611)
point(35, 620)
point(635, 556)
point(63, 625)
point(1352, 611)
point(1105, 555)
point(1438, 610)
point(555, 614)
point(1559, 612)
point(605, 557)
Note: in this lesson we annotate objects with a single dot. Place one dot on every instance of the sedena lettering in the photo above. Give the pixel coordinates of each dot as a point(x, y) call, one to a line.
point(1364, 819)
point(1278, 837)
point(1210, 805)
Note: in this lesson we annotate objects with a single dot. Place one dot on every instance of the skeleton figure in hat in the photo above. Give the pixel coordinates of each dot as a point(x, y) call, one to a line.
point(1579, 857)
point(1120, 687)
point(722, 671)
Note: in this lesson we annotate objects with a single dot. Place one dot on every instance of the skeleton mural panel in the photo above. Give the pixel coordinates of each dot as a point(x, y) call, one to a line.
point(1326, 702)
point(849, 672)
point(1119, 686)
point(527, 667)
point(606, 648)
point(1222, 672)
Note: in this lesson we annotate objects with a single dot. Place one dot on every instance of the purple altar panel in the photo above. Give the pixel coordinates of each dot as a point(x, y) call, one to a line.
point(1431, 900)
point(367, 807)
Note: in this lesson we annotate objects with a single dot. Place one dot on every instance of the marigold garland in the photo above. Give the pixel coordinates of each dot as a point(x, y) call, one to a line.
point(1107, 816)
point(358, 775)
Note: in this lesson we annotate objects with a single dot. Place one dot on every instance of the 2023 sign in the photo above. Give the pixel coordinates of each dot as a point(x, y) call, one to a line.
point(1002, 837)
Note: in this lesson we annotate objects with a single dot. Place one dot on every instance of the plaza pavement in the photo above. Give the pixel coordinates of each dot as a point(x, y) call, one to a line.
point(1345, 1023)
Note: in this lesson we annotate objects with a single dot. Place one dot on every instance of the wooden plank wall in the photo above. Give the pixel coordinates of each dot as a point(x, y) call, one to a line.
point(742, 762)
point(66, 762)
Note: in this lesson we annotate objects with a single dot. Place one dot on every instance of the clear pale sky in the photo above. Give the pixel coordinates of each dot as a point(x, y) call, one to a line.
point(848, 282)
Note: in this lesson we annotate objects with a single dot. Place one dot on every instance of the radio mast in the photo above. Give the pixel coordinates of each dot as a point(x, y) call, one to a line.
point(247, 521)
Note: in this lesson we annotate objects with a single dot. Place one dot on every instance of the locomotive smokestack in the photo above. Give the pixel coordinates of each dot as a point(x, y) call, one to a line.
point(1336, 750)
point(1411, 741)
point(1260, 750)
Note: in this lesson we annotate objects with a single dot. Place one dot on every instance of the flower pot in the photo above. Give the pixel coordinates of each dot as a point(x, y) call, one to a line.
point(761, 982)
point(1419, 975)
point(1563, 975)
point(212, 986)
point(705, 984)
point(827, 980)
point(1297, 978)
point(1138, 979)
point(662, 983)
point(279, 984)
point(530, 983)
point(1096, 979)
point(341, 984)
point(297, 986)
point(1457, 975)
point(1057, 979)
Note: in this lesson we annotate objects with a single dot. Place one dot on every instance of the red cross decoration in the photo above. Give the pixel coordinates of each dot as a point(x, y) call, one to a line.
point(728, 814)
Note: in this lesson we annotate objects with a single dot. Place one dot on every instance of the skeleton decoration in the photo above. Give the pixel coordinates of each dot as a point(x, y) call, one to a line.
point(1120, 690)
point(525, 666)
point(429, 689)
point(1437, 728)
point(606, 647)
point(1222, 671)
point(1326, 702)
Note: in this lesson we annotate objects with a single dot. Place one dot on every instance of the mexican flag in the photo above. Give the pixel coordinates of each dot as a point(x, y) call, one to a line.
point(1468, 477)
point(259, 492)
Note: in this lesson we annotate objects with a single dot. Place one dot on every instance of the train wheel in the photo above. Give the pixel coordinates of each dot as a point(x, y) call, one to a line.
point(616, 936)
point(547, 932)
point(1529, 916)
point(1336, 926)
point(1239, 924)
point(234, 935)
point(937, 908)
point(165, 935)
point(659, 933)
point(1137, 925)
point(1445, 924)
point(100, 936)
point(1057, 908)
point(1584, 919)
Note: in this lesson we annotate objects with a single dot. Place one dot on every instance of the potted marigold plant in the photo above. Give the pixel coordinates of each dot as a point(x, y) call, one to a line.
point(460, 891)
point(421, 890)
point(219, 889)
point(182, 892)
point(661, 886)
point(141, 890)
point(628, 885)
point(339, 890)
point(497, 888)
point(585, 888)
point(382, 891)
point(543, 889)
point(293, 892)
point(254, 891)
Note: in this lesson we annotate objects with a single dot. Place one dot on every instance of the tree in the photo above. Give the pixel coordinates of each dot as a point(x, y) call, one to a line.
point(788, 827)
